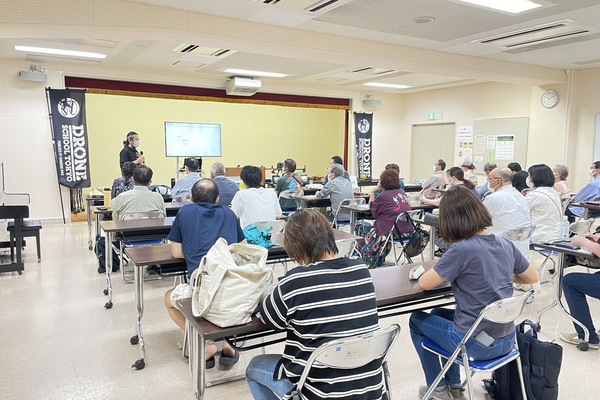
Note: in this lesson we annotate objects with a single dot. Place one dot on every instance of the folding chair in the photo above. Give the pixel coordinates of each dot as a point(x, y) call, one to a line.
point(350, 353)
point(347, 248)
point(337, 224)
point(501, 312)
point(143, 239)
point(406, 216)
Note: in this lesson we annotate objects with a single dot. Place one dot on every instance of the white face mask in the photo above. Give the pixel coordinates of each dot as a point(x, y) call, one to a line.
point(593, 172)
point(136, 143)
point(434, 168)
point(528, 182)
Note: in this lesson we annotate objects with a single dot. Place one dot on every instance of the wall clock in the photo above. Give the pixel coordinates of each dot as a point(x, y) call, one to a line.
point(549, 99)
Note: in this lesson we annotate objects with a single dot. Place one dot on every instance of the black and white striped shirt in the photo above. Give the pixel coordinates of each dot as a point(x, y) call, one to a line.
point(318, 303)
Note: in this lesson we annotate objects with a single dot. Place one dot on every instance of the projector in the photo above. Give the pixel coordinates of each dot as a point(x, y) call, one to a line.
point(34, 76)
point(241, 86)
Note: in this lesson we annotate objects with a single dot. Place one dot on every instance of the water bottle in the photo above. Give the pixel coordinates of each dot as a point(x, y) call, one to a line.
point(564, 228)
point(292, 187)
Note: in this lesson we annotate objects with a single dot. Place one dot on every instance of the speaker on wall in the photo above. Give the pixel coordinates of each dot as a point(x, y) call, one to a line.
point(33, 76)
point(371, 102)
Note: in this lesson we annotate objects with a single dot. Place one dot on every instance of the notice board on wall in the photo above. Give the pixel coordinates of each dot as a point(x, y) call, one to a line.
point(501, 141)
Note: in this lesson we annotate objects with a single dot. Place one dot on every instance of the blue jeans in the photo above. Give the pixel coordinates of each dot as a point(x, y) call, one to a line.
point(259, 376)
point(439, 328)
point(576, 286)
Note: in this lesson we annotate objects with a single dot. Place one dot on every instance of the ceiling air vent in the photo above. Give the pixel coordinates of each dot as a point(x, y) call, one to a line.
point(371, 71)
point(200, 51)
point(532, 36)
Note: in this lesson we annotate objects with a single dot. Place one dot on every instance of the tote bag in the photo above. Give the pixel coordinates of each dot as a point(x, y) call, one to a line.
point(233, 281)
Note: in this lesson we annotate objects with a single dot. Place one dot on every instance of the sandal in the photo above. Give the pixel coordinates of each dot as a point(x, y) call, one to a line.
point(210, 363)
point(226, 360)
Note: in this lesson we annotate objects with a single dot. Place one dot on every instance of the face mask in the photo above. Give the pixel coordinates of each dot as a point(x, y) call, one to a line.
point(136, 143)
point(528, 182)
point(592, 172)
point(434, 168)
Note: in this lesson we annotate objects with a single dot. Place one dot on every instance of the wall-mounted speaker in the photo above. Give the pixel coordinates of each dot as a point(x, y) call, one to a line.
point(371, 102)
point(34, 76)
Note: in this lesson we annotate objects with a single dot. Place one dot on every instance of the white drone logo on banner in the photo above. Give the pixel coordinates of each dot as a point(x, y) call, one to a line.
point(363, 126)
point(68, 107)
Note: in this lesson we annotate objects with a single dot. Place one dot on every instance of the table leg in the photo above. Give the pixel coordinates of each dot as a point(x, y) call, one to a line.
point(139, 306)
point(108, 237)
point(558, 300)
point(89, 223)
point(352, 221)
point(432, 237)
point(199, 371)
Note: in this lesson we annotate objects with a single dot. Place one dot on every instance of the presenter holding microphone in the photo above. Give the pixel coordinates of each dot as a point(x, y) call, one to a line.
point(130, 150)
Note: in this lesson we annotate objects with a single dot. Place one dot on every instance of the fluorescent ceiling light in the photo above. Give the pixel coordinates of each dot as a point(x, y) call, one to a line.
point(386, 85)
point(511, 6)
point(248, 72)
point(61, 52)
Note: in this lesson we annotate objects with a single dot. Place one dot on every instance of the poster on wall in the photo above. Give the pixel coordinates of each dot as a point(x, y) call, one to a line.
point(69, 133)
point(363, 131)
point(505, 147)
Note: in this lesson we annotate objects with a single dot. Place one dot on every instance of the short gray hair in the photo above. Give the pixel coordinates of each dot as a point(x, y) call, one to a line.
point(217, 169)
point(505, 174)
point(337, 170)
point(489, 167)
point(563, 171)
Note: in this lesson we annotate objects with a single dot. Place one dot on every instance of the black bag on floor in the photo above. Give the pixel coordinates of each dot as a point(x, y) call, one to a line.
point(100, 250)
point(541, 366)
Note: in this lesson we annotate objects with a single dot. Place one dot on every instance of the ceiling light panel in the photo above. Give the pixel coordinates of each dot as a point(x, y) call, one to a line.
point(60, 52)
point(386, 85)
point(248, 72)
point(511, 6)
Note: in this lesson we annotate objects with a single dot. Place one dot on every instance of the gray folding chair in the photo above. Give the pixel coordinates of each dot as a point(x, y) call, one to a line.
point(337, 224)
point(501, 312)
point(350, 353)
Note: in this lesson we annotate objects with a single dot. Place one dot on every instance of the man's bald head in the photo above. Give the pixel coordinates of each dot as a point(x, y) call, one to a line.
point(205, 191)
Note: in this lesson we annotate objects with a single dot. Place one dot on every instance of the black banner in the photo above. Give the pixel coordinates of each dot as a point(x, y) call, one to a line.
point(69, 132)
point(363, 131)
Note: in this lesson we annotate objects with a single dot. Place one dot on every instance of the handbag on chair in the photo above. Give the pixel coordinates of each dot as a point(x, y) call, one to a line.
point(233, 281)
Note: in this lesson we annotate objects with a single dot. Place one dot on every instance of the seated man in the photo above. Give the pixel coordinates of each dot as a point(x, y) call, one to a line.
point(578, 285)
point(288, 185)
point(140, 199)
point(227, 187)
point(254, 204)
point(336, 160)
point(396, 168)
point(183, 187)
point(337, 188)
point(507, 206)
point(484, 189)
point(590, 192)
point(195, 230)
point(435, 181)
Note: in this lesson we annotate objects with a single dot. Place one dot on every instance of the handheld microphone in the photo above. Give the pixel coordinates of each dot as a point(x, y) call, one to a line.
point(141, 153)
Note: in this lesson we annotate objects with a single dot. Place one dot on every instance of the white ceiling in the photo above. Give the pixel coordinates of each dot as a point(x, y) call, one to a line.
point(316, 49)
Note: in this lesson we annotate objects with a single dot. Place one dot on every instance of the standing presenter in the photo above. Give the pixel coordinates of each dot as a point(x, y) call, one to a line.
point(130, 150)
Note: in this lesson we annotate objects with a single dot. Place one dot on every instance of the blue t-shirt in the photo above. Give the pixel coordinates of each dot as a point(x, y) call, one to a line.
point(198, 226)
point(480, 270)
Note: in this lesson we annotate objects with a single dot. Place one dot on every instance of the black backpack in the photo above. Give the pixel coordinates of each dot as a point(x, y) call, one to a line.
point(541, 366)
point(417, 242)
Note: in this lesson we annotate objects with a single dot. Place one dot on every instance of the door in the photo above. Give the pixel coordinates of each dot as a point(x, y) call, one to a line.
point(428, 144)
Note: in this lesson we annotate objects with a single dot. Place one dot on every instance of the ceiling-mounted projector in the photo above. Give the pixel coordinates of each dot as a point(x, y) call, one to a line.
point(240, 86)
point(35, 74)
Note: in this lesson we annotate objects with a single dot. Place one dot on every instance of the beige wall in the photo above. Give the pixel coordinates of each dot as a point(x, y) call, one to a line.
point(251, 134)
point(564, 134)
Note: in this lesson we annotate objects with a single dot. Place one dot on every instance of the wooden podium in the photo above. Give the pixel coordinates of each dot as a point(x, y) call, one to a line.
point(236, 171)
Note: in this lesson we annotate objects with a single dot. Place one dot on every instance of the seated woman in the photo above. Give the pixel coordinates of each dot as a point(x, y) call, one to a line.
point(255, 203)
point(296, 305)
point(469, 169)
point(124, 182)
point(544, 204)
point(481, 269)
point(456, 176)
point(578, 285)
point(387, 201)
point(560, 180)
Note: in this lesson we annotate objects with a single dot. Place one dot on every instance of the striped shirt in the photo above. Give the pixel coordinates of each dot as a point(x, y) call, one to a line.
point(318, 303)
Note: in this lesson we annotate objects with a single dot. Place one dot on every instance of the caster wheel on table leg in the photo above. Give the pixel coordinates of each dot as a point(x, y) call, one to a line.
point(90, 247)
point(105, 291)
point(108, 305)
point(139, 364)
point(134, 339)
point(19, 272)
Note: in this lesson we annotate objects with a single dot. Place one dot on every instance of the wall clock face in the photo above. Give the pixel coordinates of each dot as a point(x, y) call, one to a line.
point(549, 99)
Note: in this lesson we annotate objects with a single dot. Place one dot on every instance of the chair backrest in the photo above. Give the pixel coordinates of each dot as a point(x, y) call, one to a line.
point(565, 202)
point(345, 247)
point(519, 234)
point(352, 352)
point(277, 226)
point(143, 215)
point(501, 311)
point(345, 202)
point(11, 212)
point(581, 227)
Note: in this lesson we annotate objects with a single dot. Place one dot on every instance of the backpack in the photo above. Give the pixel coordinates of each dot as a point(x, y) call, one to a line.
point(417, 242)
point(541, 366)
point(163, 190)
point(100, 250)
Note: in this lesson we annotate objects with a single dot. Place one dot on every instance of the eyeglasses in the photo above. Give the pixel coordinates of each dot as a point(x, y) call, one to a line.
point(491, 179)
